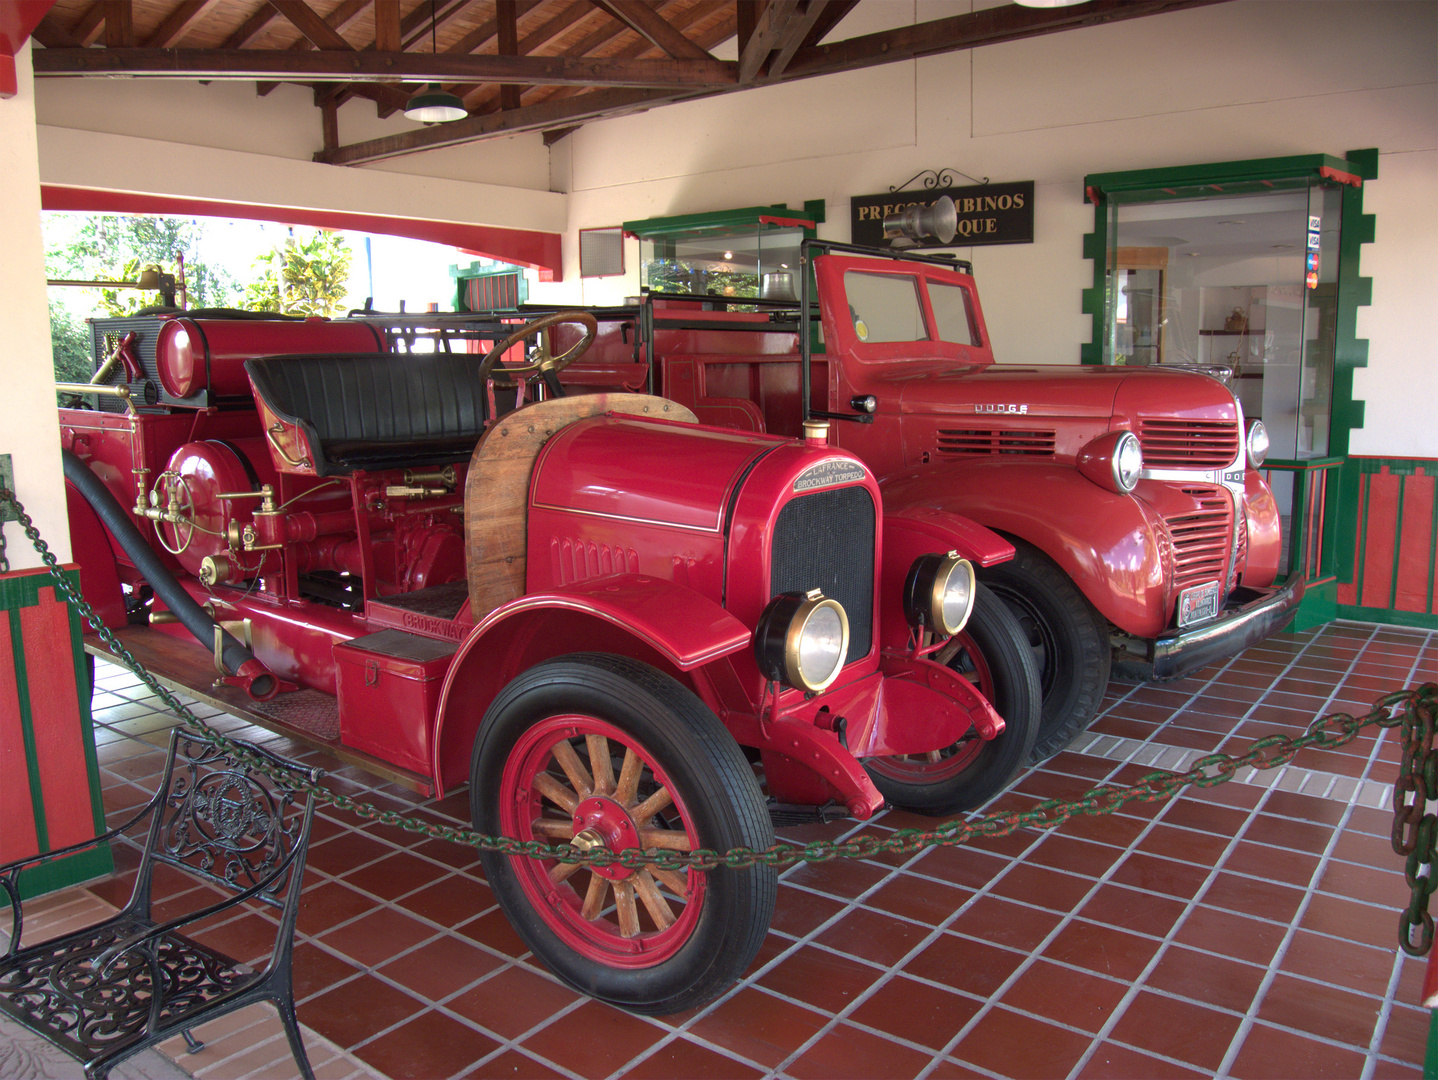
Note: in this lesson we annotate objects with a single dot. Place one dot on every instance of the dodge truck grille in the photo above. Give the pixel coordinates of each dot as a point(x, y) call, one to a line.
point(1201, 538)
point(980, 442)
point(1188, 444)
point(825, 540)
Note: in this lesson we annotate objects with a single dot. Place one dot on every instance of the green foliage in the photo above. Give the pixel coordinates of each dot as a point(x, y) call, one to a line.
point(117, 247)
point(681, 276)
point(307, 276)
point(70, 345)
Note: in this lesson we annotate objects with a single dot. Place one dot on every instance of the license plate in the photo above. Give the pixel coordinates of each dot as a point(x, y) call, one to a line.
point(1198, 604)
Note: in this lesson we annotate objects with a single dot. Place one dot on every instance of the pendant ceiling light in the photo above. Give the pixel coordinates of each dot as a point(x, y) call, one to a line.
point(433, 105)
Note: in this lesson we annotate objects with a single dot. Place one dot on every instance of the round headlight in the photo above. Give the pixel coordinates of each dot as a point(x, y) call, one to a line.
point(802, 640)
point(939, 593)
point(1127, 461)
point(1257, 443)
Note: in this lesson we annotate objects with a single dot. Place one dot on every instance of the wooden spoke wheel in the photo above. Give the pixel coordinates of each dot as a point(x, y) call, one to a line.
point(608, 754)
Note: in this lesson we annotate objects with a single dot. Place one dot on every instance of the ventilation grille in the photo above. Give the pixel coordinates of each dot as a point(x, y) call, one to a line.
point(1188, 444)
point(1201, 538)
point(601, 252)
point(494, 292)
point(825, 541)
point(981, 442)
point(580, 560)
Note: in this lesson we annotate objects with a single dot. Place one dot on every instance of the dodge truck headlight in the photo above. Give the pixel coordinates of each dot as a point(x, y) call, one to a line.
point(939, 593)
point(802, 640)
point(1113, 461)
point(1257, 443)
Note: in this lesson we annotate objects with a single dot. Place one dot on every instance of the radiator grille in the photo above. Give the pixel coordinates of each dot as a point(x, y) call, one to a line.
point(494, 292)
point(825, 541)
point(579, 560)
point(1201, 538)
point(1188, 444)
point(981, 442)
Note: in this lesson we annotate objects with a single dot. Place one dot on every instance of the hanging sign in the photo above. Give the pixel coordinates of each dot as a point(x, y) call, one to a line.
point(983, 214)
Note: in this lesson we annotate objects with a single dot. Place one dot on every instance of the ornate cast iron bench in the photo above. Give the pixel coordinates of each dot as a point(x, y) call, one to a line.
point(119, 986)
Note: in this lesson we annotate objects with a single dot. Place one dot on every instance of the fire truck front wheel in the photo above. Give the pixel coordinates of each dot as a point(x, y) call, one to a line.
point(606, 754)
point(1069, 640)
point(992, 653)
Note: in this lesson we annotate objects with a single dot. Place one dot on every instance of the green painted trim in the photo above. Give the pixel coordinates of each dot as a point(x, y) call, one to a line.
point(1318, 607)
point(27, 729)
point(1254, 170)
point(97, 862)
point(1430, 1058)
point(744, 217)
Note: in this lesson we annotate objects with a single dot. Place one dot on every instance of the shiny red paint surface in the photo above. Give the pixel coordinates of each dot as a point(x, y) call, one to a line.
point(198, 354)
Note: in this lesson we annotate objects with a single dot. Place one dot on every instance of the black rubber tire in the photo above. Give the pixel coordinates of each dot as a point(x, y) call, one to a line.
point(705, 769)
point(1069, 638)
point(992, 653)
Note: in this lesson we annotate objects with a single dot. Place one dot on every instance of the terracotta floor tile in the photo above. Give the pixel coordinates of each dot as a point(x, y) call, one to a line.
point(1021, 1047)
point(1335, 1014)
point(1368, 924)
point(1244, 894)
point(973, 967)
point(846, 1053)
point(374, 938)
point(1044, 887)
point(449, 901)
point(394, 875)
point(1228, 934)
point(930, 902)
point(494, 931)
point(759, 1026)
point(843, 879)
point(1406, 1034)
point(357, 1010)
point(326, 904)
point(250, 939)
point(1216, 980)
point(1101, 949)
point(595, 1039)
point(800, 912)
point(1005, 922)
point(1203, 848)
point(440, 968)
point(1078, 999)
point(1206, 817)
point(1116, 829)
point(513, 1001)
point(818, 978)
point(681, 1059)
point(1274, 864)
point(513, 1065)
point(1113, 1062)
point(428, 1046)
point(1269, 1053)
point(316, 970)
point(1130, 909)
point(1159, 874)
point(916, 1012)
point(1182, 1030)
point(874, 936)
point(961, 865)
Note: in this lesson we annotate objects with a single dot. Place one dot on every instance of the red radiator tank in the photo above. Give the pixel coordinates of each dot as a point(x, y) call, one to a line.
point(197, 354)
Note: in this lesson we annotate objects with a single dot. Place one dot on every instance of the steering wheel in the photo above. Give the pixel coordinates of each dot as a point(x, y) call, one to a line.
point(542, 363)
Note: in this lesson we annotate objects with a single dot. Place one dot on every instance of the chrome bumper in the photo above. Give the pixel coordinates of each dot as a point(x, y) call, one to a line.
point(1177, 653)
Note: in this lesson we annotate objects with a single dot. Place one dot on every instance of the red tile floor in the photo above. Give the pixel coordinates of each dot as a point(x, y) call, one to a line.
point(1245, 930)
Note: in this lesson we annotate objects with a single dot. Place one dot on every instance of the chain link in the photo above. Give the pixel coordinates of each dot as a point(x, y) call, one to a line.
point(1415, 830)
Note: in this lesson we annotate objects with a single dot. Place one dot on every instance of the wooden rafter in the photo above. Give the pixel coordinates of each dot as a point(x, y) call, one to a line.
point(177, 22)
point(643, 19)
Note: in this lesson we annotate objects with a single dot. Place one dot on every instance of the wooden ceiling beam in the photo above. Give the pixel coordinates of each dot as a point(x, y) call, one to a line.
point(507, 34)
point(643, 19)
point(328, 65)
point(260, 18)
point(788, 41)
point(593, 106)
point(386, 26)
point(989, 26)
point(316, 30)
point(119, 24)
point(49, 33)
point(416, 28)
point(172, 28)
point(89, 26)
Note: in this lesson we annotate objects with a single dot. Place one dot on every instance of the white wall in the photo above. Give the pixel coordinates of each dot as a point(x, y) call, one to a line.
point(30, 433)
point(1245, 79)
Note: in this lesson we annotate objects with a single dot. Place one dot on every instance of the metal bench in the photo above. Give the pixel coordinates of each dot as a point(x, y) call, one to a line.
point(114, 988)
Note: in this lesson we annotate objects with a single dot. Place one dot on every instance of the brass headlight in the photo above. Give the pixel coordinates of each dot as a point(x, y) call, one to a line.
point(802, 640)
point(1113, 461)
point(939, 593)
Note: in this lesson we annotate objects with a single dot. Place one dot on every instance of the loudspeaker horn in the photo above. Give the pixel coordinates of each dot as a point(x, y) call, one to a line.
point(939, 219)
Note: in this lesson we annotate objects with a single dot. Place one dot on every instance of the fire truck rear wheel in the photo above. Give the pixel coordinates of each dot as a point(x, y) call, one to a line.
point(992, 653)
point(1069, 639)
point(609, 753)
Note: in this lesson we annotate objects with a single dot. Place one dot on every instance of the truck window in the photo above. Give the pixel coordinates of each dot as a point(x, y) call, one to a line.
point(952, 312)
point(885, 307)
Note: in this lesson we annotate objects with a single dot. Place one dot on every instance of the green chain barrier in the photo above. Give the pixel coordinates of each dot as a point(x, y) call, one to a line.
point(1415, 830)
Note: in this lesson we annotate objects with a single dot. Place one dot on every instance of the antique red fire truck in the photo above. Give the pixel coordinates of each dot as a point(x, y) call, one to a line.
point(1145, 537)
point(612, 622)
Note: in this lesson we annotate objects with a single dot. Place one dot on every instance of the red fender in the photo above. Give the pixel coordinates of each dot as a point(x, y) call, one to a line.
point(917, 531)
point(646, 618)
point(1105, 542)
point(90, 546)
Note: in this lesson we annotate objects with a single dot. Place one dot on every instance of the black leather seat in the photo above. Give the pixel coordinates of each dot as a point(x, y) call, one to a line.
point(376, 410)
